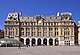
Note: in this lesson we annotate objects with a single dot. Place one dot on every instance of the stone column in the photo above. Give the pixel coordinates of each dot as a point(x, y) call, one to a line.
point(47, 41)
point(30, 32)
point(53, 41)
point(59, 31)
point(73, 31)
point(36, 41)
point(70, 30)
point(60, 40)
point(30, 41)
point(7, 31)
point(36, 31)
point(53, 31)
point(62, 31)
point(25, 31)
point(41, 31)
point(18, 31)
point(71, 41)
point(24, 41)
point(41, 41)
point(47, 31)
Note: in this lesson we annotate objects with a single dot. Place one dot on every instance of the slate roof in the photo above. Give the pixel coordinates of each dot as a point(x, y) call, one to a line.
point(33, 18)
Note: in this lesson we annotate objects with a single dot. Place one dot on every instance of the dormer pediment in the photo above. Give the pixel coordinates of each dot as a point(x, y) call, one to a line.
point(12, 17)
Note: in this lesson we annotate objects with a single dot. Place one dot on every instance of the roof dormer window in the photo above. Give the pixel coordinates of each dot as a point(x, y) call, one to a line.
point(15, 15)
point(12, 15)
point(9, 15)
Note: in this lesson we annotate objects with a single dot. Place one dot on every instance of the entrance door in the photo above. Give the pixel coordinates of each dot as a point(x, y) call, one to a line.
point(39, 42)
point(33, 41)
point(45, 41)
point(27, 41)
point(22, 40)
point(56, 42)
point(50, 41)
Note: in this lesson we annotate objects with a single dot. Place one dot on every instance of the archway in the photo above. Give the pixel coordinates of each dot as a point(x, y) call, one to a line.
point(45, 41)
point(33, 41)
point(22, 40)
point(27, 41)
point(50, 41)
point(39, 41)
point(56, 42)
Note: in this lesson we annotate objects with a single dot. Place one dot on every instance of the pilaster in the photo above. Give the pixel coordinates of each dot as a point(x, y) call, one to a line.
point(24, 31)
point(30, 31)
point(47, 31)
point(41, 31)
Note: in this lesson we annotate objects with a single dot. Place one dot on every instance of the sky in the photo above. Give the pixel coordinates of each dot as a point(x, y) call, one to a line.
point(39, 7)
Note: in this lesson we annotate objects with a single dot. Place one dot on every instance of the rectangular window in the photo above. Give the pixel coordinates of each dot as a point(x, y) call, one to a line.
point(39, 34)
point(67, 43)
point(66, 33)
point(45, 29)
point(45, 34)
point(22, 33)
point(28, 33)
point(33, 33)
point(71, 31)
point(55, 33)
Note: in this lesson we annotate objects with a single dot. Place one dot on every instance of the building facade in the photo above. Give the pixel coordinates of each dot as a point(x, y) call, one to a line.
point(42, 30)
point(1, 34)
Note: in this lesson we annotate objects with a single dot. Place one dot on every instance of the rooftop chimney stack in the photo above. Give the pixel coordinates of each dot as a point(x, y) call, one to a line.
point(58, 14)
point(20, 13)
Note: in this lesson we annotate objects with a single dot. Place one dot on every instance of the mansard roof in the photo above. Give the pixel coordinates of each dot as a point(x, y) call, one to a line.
point(33, 18)
point(14, 16)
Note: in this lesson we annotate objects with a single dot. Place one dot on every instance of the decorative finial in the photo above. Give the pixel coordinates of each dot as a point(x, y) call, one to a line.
point(58, 14)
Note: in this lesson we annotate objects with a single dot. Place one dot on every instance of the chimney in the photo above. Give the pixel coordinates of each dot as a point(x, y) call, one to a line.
point(58, 14)
point(20, 13)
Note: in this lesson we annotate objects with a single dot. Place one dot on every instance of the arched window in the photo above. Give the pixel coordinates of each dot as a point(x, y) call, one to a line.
point(45, 41)
point(50, 41)
point(39, 41)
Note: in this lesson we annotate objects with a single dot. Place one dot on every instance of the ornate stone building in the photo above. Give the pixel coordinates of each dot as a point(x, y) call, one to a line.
point(1, 33)
point(41, 30)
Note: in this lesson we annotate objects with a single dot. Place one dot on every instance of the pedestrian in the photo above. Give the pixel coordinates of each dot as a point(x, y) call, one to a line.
point(19, 47)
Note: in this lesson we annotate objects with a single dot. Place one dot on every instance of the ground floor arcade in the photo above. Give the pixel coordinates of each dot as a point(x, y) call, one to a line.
point(45, 41)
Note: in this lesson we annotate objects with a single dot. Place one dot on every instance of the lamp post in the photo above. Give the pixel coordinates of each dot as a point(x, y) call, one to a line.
point(19, 35)
point(6, 43)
